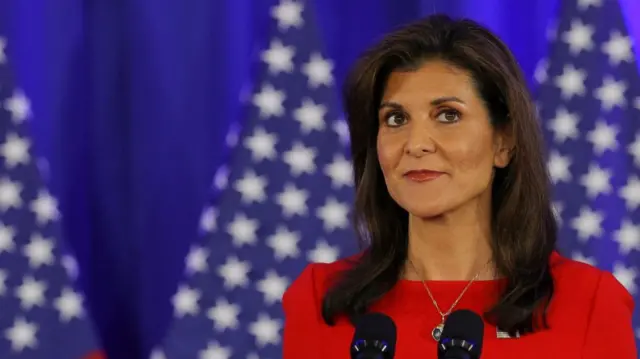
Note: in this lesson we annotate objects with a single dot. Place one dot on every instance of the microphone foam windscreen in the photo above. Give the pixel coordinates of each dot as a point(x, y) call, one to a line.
point(376, 327)
point(466, 325)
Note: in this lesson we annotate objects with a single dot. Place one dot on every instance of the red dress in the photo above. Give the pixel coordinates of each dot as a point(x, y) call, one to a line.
point(589, 317)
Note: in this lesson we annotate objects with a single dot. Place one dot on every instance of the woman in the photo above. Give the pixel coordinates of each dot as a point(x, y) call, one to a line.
point(453, 202)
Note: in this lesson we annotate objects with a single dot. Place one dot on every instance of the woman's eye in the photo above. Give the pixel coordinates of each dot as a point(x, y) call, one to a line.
point(449, 116)
point(395, 119)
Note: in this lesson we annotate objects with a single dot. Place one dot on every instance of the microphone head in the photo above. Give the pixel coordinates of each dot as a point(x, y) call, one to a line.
point(376, 334)
point(463, 333)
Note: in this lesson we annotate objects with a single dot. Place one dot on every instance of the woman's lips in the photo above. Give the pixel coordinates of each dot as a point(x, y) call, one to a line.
point(422, 175)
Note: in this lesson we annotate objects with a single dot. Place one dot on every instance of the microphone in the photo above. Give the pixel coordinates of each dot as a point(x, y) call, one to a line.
point(462, 336)
point(375, 337)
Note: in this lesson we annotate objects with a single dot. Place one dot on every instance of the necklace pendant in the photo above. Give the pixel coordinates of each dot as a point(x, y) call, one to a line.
point(436, 333)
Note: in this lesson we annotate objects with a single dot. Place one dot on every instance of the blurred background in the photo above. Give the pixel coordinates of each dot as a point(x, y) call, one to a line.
point(144, 119)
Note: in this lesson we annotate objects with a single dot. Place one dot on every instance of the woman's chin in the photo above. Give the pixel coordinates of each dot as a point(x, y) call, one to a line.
point(423, 212)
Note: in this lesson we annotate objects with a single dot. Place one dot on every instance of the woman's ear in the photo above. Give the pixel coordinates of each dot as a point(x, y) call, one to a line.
point(503, 149)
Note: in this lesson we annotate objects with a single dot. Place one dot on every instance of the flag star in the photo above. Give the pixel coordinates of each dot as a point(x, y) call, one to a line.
point(215, 351)
point(235, 273)
point(224, 315)
point(251, 187)
point(293, 201)
point(157, 353)
point(262, 145)
point(618, 48)
point(31, 293)
point(39, 251)
point(272, 287)
point(43, 167)
point(3, 45)
point(69, 304)
point(266, 330)
point(10, 194)
point(323, 253)
point(45, 207)
point(22, 334)
point(588, 224)
point(630, 193)
point(18, 105)
point(243, 230)
point(626, 276)
point(288, 14)
point(252, 356)
point(231, 139)
point(340, 171)
point(70, 266)
point(571, 82)
point(185, 301)
point(603, 137)
point(221, 177)
point(581, 258)
point(551, 32)
point(284, 243)
point(633, 148)
point(318, 71)
point(300, 159)
point(3, 282)
point(559, 167)
point(584, 4)
point(334, 214)
point(541, 73)
point(209, 219)
point(278, 57)
point(636, 103)
point(310, 115)
point(628, 237)
point(342, 129)
point(579, 37)
point(611, 93)
point(7, 235)
point(596, 181)
point(197, 260)
point(564, 125)
point(15, 150)
point(269, 101)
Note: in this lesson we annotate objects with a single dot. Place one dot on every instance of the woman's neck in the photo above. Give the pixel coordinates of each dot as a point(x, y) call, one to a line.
point(450, 247)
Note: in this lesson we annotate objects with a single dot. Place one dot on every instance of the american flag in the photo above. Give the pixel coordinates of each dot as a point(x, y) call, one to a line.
point(42, 315)
point(286, 203)
point(589, 102)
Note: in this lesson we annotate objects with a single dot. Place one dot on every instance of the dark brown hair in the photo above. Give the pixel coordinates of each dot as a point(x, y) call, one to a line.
point(523, 222)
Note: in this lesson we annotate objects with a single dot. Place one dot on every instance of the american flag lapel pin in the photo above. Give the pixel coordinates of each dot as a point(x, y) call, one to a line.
point(500, 334)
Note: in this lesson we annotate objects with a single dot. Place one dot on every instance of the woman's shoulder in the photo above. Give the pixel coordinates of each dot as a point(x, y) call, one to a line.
point(565, 268)
point(316, 278)
point(591, 298)
point(577, 279)
point(308, 289)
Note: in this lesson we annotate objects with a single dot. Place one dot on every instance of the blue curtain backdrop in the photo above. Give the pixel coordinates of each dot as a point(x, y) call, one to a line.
point(133, 100)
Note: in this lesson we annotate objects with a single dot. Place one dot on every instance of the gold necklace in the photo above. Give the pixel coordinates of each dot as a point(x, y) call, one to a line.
point(436, 333)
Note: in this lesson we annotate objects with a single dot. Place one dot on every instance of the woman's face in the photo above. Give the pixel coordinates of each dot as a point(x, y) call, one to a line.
point(436, 145)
